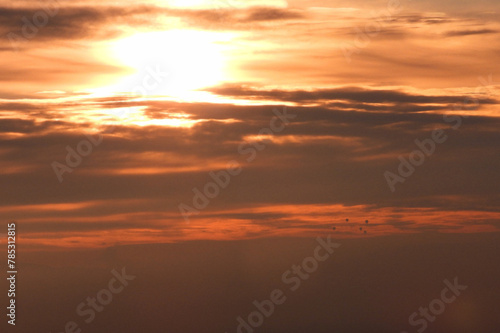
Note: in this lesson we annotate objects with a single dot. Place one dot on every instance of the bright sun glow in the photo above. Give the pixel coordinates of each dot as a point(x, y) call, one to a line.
point(188, 59)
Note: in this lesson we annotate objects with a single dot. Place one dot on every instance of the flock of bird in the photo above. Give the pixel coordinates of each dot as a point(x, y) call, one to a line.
point(352, 226)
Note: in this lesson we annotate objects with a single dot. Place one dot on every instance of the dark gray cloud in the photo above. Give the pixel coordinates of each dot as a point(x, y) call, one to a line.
point(338, 157)
point(422, 18)
point(352, 94)
point(459, 33)
point(73, 22)
point(100, 22)
point(272, 14)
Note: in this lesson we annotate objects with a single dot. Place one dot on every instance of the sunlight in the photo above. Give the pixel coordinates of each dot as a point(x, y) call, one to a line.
point(171, 63)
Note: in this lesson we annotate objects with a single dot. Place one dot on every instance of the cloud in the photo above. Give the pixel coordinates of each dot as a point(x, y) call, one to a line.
point(273, 14)
point(109, 22)
point(328, 155)
point(73, 22)
point(353, 122)
point(460, 33)
point(351, 94)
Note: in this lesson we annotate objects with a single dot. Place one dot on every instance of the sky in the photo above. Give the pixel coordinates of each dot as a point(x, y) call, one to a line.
point(172, 92)
point(180, 161)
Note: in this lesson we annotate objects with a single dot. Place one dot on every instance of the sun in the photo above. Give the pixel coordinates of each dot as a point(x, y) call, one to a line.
point(188, 60)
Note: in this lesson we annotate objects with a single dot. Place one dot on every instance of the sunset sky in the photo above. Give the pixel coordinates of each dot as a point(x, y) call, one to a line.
point(177, 88)
point(208, 153)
